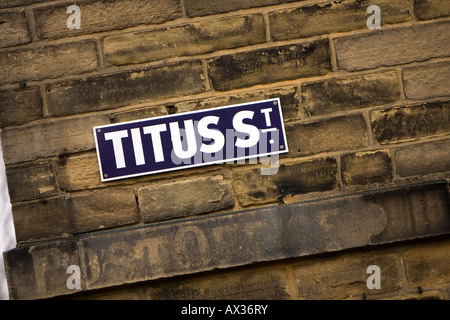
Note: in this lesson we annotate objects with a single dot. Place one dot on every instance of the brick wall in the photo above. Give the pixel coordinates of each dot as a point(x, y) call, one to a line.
point(367, 117)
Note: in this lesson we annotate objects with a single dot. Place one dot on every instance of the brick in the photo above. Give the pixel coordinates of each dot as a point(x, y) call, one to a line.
point(427, 81)
point(422, 159)
point(16, 3)
point(104, 15)
point(428, 266)
point(50, 138)
point(395, 46)
point(78, 172)
point(187, 198)
point(48, 62)
point(366, 167)
point(118, 90)
point(346, 276)
point(248, 285)
point(80, 213)
point(40, 271)
point(103, 209)
point(137, 114)
point(270, 65)
point(195, 8)
point(31, 182)
point(411, 122)
point(13, 29)
point(291, 179)
point(426, 295)
point(40, 220)
point(288, 98)
point(431, 9)
point(339, 133)
point(350, 93)
point(191, 39)
point(332, 17)
point(19, 107)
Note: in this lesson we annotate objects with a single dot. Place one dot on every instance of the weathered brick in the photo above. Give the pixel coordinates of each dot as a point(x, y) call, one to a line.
point(104, 15)
point(393, 46)
point(185, 40)
point(366, 168)
point(421, 159)
point(13, 29)
point(40, 271)
point(81, 213)
point(39, 220)
point(48, 61)
point(31, 182)
point(346, 276)
point(195, 8)
point(117, 90)
point(428, 265)
point(211, 242)
point(50, 138)
point(253, 285)
point(78, 172)
point(288, 98)
point(18, 107)
point(426, 295)
point(431, 9)
point(142, 113)
point(339, 133)
point(187, 198)
point(332, 17)
point(270, 65)
point(103, 209)
point(356, 92)
point(16, 3)
point(427, 81)
point(411, 122)
point(291, 179)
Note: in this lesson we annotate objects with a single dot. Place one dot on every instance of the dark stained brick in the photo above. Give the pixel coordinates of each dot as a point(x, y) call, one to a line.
point(270, 65)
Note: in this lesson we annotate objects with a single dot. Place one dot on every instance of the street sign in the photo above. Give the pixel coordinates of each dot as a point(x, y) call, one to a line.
point(191, 139)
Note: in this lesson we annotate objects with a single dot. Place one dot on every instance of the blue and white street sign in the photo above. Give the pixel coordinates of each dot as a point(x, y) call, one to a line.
point(192, 139)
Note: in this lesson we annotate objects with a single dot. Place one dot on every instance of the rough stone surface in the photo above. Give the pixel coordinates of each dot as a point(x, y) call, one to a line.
point(122, 89)
point(332, 17)
point(428, 265)
point(421, 159)
point(366, 168)
point(31, 182)
point(104, 15)
point(187, 198)
point(270, 65)
point(185, 40)
point(13, 29)
point(346, 276)
point(18, 107)
point(430, 9)
point(427, 80)
point(340, 133)
point(411, 122)
point(393, 46)
point(81, 213)
point(292, 179)
point(47, 62)
point(342, 94)
point(50, 138)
